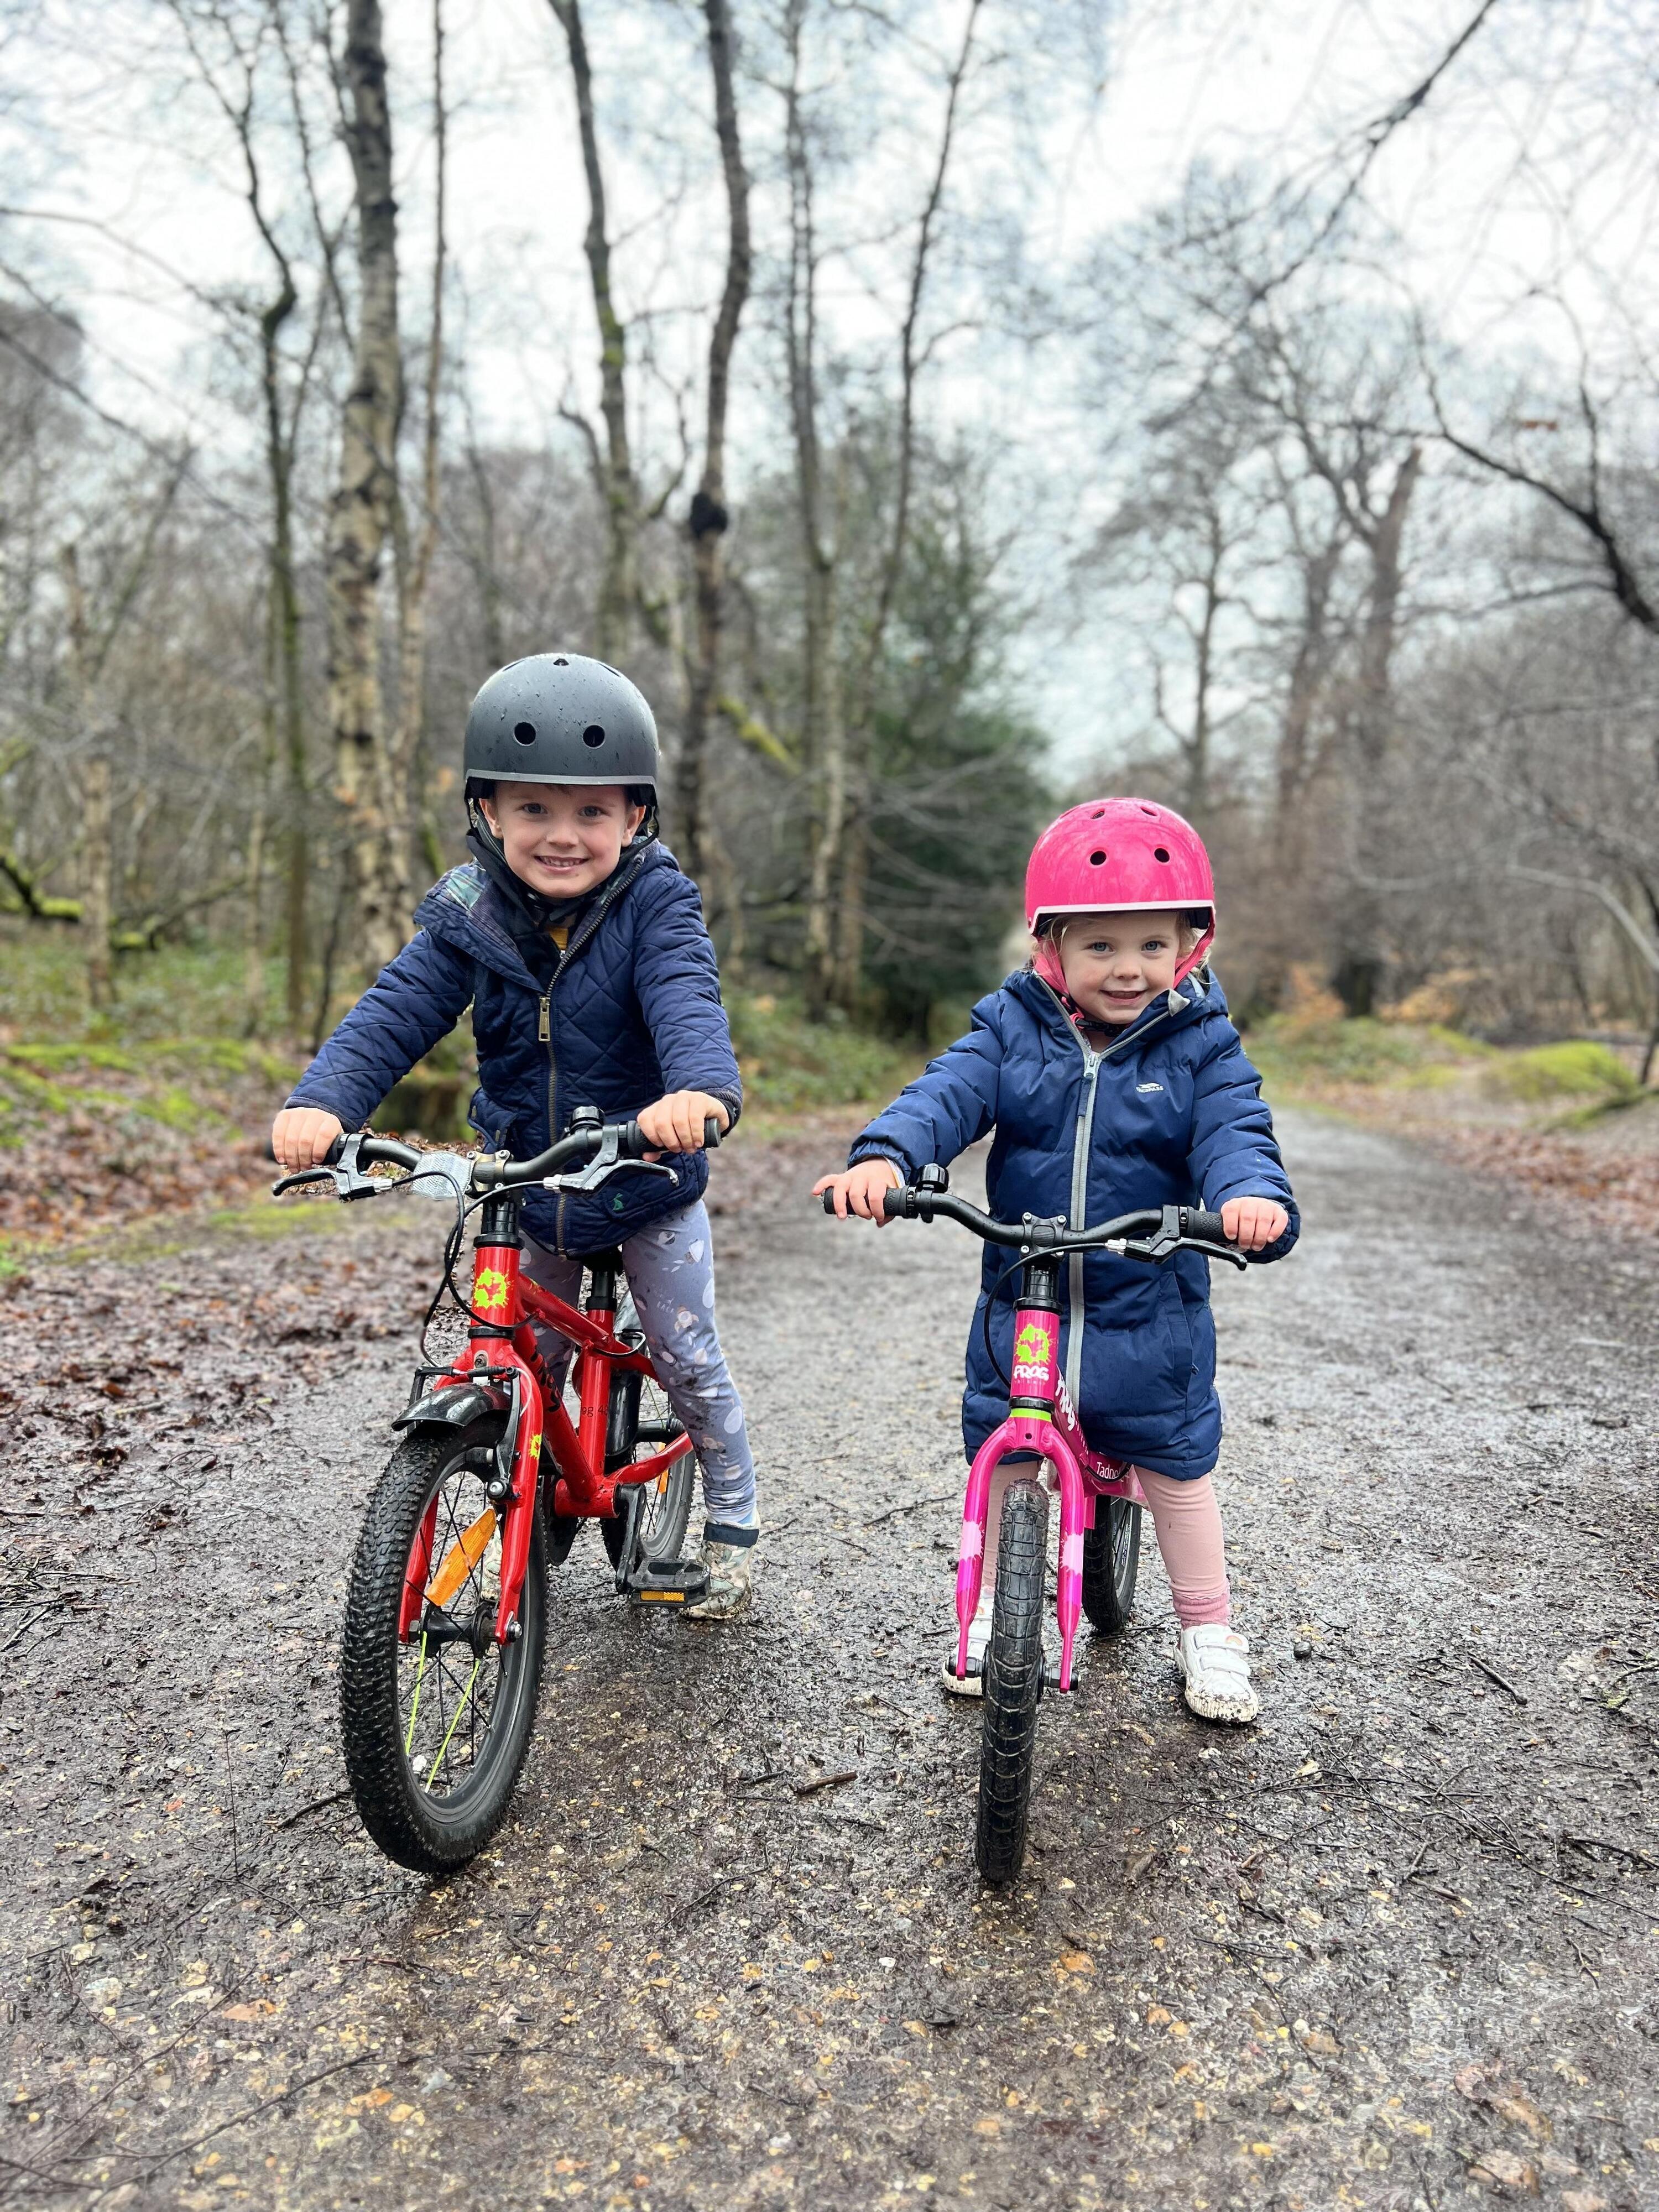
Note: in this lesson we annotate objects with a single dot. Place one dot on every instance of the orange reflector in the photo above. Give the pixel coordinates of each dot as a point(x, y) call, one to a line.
point(461, 1558)
point(661, 1597)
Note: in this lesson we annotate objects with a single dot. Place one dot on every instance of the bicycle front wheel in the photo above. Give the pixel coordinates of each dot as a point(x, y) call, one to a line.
point(1013, 1684)
point(435, 1729)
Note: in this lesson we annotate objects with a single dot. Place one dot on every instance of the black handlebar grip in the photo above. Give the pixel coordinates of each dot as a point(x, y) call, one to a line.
point(711, 1133)
point(894, 1202)
point(331, 1158)
point(1195, 1222)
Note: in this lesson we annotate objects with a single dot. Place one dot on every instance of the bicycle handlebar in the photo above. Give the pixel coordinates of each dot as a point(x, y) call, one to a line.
point(630, 1144)
point(1153, 1233)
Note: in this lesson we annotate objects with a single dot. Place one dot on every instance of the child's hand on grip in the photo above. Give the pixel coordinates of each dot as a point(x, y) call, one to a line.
point(859, 1190)
point(301, 1137)
point(1250, 1222)
point(675, 1123)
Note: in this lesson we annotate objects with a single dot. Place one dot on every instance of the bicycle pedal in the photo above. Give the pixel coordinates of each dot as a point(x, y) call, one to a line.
point(667, 1581)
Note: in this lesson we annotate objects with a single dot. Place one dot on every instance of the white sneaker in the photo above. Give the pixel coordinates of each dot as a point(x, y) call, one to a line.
point(1214, 1663)
point(979, 1635)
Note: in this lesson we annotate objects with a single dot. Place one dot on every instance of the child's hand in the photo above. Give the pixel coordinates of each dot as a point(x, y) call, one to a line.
point(675, 1123)
point(859, 1190)
point(301, 1136)
point(1250, 1222)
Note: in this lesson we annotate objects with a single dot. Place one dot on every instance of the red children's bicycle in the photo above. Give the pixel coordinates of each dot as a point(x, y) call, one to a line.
point(1100, 1499)
point(446, 1621)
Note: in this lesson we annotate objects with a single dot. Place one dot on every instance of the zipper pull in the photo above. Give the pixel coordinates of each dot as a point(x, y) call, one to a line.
point(544, 1023)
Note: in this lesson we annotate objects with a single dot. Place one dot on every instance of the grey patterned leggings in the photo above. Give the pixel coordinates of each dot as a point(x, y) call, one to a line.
point(671, 1270)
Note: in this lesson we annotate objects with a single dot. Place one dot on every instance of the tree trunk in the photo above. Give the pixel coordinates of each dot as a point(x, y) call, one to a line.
point(1359, 966)
point(97, 854)
point(408, 743)
point(98, 869)
point(855, 850)
point(619, 585)
point(361, 520)
point(823, 747)
point(708, 513)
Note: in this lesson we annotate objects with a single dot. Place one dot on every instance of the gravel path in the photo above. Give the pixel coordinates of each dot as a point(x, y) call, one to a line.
point(1395, 1948)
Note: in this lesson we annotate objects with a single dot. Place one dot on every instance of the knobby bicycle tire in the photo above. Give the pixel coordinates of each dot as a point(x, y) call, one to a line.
point(1013, 1684)
point(1111, 1563)
point(430, 1835)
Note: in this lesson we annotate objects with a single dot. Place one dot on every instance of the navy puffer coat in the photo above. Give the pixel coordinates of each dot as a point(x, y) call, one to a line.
point(633, 1011)
point(1170, 1113)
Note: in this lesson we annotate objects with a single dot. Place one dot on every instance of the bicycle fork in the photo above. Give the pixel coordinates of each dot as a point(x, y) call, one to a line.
point(1041, 1425)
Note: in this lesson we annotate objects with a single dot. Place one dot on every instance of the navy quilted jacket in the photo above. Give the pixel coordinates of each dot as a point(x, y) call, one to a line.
point(634, 1012)
point(1171, 1113)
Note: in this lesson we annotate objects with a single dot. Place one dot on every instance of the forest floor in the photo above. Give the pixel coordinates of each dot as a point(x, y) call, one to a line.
point(1394, 1948)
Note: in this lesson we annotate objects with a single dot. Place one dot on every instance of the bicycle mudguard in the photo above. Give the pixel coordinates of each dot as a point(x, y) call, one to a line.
point(454, 1407)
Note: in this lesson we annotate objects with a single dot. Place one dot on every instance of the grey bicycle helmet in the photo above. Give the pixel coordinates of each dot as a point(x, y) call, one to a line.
point(561, 718)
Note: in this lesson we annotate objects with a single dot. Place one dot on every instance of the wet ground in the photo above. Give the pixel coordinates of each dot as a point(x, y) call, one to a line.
point(1395, 1948)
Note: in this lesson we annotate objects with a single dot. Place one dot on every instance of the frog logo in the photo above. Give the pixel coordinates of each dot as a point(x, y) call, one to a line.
point(489, 1290)
point(1033, 1346)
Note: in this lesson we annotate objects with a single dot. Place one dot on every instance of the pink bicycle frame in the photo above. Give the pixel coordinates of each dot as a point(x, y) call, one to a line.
point(1042, 1424)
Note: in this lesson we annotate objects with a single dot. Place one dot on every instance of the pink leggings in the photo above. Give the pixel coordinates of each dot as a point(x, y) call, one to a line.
point(1188, 1523)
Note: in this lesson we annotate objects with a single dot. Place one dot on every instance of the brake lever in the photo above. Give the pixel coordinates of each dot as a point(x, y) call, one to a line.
point(603, 1164)
point(350, 1181)
point(1166, 1240)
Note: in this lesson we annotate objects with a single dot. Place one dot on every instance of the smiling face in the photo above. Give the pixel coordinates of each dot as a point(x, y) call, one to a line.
point(562, 839)
point(1115, 963)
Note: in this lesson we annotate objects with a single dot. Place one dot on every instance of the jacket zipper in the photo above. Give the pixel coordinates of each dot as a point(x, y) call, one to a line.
point(545, 1030)
point(1082, 1145)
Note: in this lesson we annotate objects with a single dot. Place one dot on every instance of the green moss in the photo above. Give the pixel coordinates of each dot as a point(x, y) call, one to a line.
point(1290, 1051)
point(1575, 1068)
point(789, 1062)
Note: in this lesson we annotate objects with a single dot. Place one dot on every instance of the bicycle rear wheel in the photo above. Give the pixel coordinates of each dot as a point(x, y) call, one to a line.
point(435, 1729)
point(639, 1403)
point(1013, 1684)
point(1111, 1563)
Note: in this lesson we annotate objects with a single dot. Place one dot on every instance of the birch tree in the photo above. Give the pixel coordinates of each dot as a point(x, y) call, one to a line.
point(361, 515)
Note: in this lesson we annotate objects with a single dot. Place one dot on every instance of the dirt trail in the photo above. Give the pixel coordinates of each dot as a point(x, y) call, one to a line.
point(1395, 1948)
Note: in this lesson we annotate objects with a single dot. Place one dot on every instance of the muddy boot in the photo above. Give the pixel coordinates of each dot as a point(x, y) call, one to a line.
point(1215, 1663)
point(729, 1555)
point(979, 1635)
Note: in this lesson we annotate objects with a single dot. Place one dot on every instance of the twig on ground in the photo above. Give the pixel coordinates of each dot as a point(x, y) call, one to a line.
point(194, 2142)
point(894, 1512)
point(824, 1781)
point(316, 1805)
point(1492, 1676)
point(24, 1626)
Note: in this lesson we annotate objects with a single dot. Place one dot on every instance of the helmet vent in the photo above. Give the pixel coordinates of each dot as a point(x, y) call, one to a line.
point(559, 661)
point(525, 733)
point(593, 735)
point(1097, 813)
point(1159, 854)
point(1152, 811)
point(1096, 860)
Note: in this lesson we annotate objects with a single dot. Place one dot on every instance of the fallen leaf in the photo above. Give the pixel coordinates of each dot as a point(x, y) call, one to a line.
point(1076, 1962)
point(1502, 2169)
point(256, 2010)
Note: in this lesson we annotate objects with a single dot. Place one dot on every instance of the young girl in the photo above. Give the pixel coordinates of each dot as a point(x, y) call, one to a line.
point(1113, 1080)
point(580, 948)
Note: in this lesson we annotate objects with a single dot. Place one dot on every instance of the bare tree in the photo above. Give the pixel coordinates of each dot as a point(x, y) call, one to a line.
point(912, 357)
point(361, 515)
point(619, 585)
point(709, 518)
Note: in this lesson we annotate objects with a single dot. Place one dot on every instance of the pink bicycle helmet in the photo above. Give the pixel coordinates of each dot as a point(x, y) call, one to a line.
point(1121, 855)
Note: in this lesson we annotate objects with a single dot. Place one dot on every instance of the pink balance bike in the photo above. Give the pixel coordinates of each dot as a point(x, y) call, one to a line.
point(1100, 1499)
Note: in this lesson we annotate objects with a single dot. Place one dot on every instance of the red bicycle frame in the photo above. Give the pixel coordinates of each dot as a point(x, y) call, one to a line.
point(1042, 1424)
point(504, 1357)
